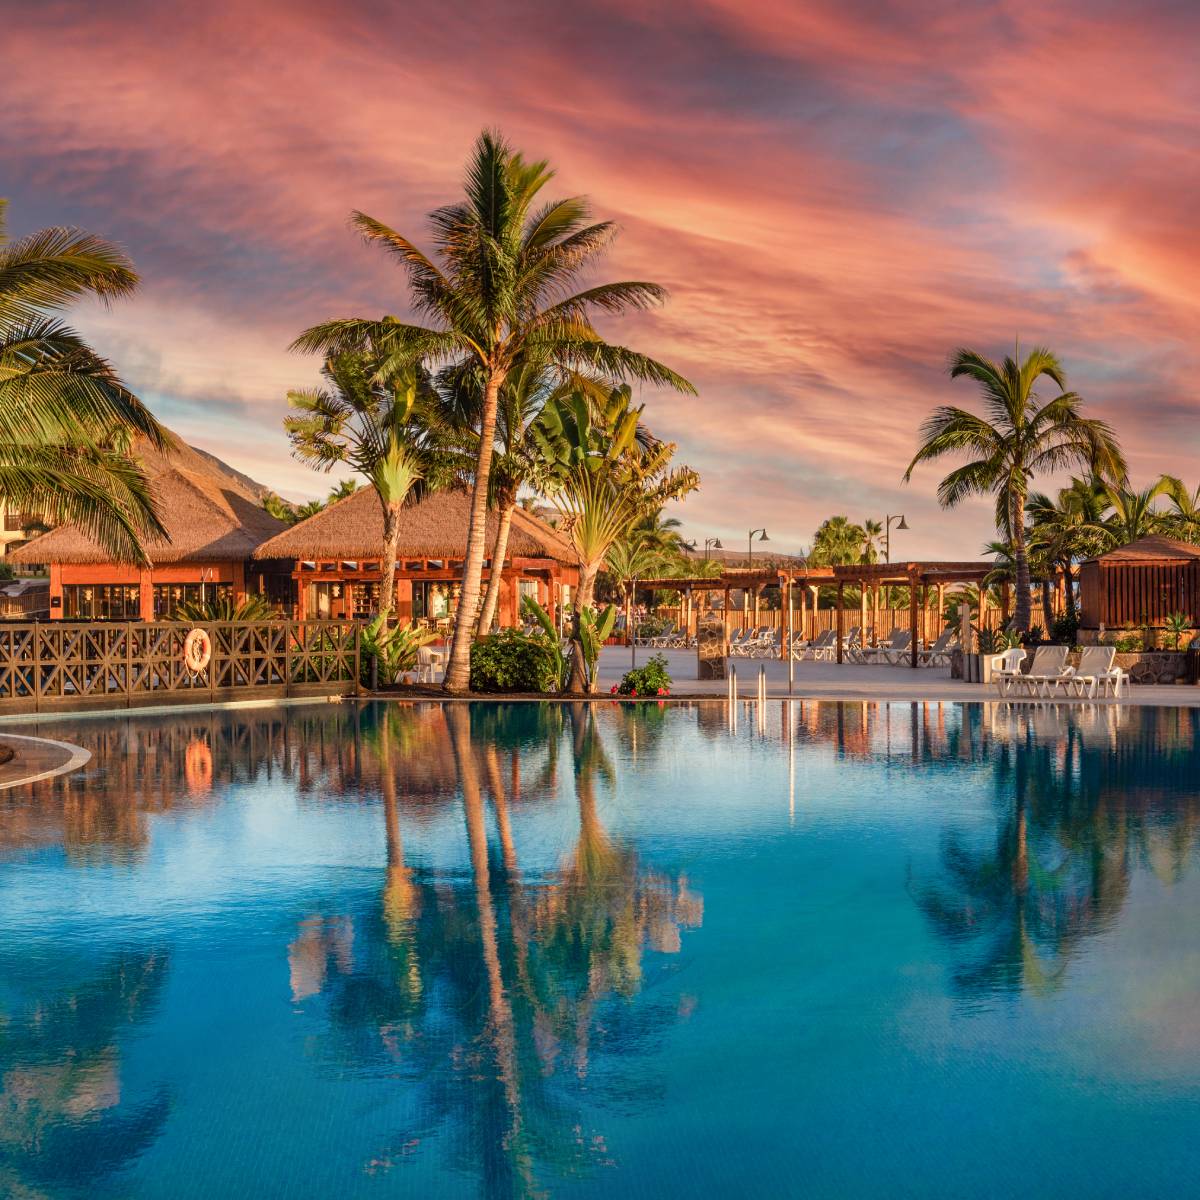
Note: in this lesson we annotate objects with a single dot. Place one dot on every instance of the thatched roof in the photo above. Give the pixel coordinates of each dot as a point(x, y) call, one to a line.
point(1154, 549)
point(435, 527)
point(210, 515)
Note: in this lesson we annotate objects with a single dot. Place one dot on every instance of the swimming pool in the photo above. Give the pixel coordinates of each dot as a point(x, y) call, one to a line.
point(540, 950)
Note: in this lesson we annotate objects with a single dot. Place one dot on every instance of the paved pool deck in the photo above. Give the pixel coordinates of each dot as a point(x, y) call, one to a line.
point(848, 681)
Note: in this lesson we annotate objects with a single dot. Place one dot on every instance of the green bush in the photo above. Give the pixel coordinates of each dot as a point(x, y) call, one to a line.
point(1065, 628)
point(1127, 643)
point(650, 680)
point(394, 647)
point(6, 571)
point(511, 661)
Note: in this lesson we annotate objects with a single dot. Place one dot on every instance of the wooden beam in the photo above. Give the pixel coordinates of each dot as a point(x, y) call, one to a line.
point(841, 612)
point(912, 619)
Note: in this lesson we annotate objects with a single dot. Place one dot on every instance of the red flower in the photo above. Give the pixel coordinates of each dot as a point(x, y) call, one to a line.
point(633, 692)
point(612, 691)
point(662, 691)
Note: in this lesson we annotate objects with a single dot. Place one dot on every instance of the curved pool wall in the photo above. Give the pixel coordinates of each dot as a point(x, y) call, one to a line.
point(549, 950)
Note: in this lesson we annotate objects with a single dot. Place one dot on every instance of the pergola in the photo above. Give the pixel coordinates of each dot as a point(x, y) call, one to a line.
point(917, 577)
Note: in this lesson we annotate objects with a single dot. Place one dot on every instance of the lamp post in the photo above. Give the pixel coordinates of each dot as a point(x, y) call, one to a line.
point(887, 536)
point(711, 544)
point(762, 537)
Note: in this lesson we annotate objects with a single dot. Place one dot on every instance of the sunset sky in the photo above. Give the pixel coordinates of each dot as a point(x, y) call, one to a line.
point(835, 194)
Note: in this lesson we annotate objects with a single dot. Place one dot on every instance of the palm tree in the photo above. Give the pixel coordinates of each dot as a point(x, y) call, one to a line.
point(629, 559)
point(1070, 526)
point(872, 536)
point(1184, 522)
point(604, 471)
point(67, 422)
point(342, 489)
point(837, 541)
point(526, 391)
point(1133, 515)
point(502, 292)
point(376, 424)
point(1019, 436)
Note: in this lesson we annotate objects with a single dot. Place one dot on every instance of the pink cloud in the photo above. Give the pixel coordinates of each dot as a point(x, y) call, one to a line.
point(836, 195)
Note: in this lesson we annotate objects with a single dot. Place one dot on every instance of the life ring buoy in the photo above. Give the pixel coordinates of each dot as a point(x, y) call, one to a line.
point(197, 651)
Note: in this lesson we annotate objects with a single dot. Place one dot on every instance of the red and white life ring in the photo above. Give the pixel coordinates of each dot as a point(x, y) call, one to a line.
point(197, 650)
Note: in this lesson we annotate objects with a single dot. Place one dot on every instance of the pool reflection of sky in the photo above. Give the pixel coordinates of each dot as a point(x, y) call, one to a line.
point(523, 950)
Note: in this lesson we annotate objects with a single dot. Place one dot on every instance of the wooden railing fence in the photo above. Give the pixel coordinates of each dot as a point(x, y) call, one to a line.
point(58, 666)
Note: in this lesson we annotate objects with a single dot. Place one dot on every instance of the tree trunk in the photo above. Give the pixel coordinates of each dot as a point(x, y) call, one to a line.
point(583, 599)
point(629, 614)
point(391, 546)
point(1047, 604)
point(458, 670)
point(1021, 613)
point(499, 552)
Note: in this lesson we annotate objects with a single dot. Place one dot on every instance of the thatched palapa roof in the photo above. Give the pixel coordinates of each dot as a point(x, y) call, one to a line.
point(435, 527)
point(209, 513)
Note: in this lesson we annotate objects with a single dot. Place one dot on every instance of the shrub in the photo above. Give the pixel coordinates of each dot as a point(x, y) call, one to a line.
point(652, 627)
point(1178, 624)
point(1127, 643)
point(393, 647)
point(511, 661)
point(6, 572)
point(650, 680)
point(1065, 628)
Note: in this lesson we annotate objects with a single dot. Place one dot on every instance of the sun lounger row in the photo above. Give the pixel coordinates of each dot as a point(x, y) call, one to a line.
point(1049, 675)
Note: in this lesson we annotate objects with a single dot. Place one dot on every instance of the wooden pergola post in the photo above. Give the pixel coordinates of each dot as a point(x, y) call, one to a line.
point(939, 624)
point(862, 612)
point(983, 607)
point(913, 630)
point(785, 636)
point(725, 620)
point(840, 618)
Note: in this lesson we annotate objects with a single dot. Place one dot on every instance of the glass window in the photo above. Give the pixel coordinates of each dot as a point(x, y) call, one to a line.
point(169, 596)
point(366, 598)
point(101, 602)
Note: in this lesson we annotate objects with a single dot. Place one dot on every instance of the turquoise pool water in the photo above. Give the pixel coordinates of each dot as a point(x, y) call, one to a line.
point(524, 950)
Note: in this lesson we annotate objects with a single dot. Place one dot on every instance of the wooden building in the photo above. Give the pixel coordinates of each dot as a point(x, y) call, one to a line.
point(214, 522)
point(338, 554)
point(1140, 584)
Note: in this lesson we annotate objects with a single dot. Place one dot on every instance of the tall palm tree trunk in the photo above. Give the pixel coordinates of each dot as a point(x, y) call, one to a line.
point(1047, 604)
point(583, 599)
point(491, 601)
point(458, 670)
point(391, 547)
point(1022, 611)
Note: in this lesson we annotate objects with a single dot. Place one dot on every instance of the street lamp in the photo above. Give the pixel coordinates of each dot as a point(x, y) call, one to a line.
point(762, 537)
point(887, 537)
point(711, 544)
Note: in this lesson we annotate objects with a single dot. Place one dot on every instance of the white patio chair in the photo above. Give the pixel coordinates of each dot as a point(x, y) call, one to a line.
point(1006, 670)
point(1047, 670)
point(1096, 670)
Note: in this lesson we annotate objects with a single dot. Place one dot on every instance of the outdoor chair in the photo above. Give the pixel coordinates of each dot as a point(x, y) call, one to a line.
point(429, 661)
point(891, 652)
point(753, 638)
point(824, 647)
point(1096, 670)
point(939, 653)
point(664, 640)
point(1047, 670)
point(799, 645)
point(1006, 670)
point(767, 647)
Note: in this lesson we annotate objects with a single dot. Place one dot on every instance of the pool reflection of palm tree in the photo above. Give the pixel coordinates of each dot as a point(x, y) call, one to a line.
point(66, 1123)
point(1077, 816)
point(511, 970)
